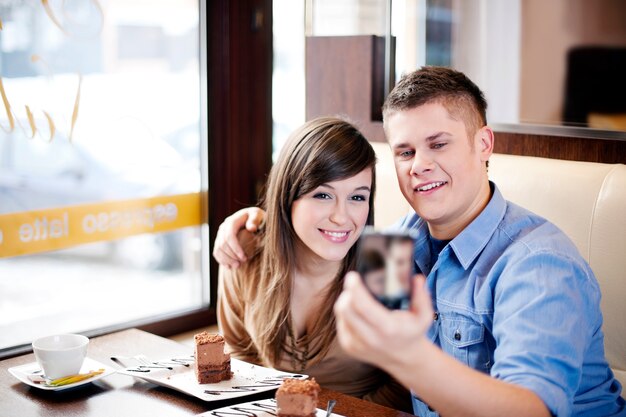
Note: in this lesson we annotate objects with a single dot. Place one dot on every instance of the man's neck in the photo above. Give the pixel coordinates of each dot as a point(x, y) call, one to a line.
point(452, 229)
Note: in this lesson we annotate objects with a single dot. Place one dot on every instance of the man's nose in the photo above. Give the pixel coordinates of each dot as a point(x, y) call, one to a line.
point(421, 164)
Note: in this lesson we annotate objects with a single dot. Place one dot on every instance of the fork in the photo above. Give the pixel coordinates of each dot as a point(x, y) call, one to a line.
point(142, 359)
point(329, 407)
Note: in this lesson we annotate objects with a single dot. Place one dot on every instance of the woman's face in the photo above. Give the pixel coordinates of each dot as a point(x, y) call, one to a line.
point(375, 281)
point(329, 219)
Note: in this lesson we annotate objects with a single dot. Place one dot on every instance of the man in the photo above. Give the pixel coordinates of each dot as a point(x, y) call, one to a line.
point(506, 320)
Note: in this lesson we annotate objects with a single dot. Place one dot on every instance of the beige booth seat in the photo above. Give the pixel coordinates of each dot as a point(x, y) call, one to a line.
point(586, 200)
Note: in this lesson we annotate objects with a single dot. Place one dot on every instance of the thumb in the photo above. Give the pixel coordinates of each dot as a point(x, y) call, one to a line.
point(254, 219)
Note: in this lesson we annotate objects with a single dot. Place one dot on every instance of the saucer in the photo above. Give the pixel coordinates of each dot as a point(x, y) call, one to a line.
point(25, 372)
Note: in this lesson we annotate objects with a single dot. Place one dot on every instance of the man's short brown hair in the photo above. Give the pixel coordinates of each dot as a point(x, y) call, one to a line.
point(457, 93)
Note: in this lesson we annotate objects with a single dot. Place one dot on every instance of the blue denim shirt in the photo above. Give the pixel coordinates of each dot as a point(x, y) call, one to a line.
point(514, 299)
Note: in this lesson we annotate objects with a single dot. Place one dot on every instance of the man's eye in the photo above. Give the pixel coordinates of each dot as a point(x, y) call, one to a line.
point(322, 196)
point(406, 154)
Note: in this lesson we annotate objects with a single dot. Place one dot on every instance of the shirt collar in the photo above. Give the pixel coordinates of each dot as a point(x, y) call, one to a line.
point(422, 247)
point(473, 239)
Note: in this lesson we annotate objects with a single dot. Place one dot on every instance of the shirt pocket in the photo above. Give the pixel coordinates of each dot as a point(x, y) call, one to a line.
point(464, 339)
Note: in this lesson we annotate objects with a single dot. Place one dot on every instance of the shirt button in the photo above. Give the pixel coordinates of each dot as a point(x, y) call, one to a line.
point(457, 335)
point(436, 316)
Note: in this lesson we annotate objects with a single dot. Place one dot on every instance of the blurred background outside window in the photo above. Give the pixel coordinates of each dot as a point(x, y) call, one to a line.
point(101, 106)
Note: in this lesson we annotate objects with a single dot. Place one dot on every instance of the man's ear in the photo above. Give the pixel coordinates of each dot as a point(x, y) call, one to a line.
point(484, 141)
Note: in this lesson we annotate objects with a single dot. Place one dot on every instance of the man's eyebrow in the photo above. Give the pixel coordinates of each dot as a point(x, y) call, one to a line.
point(431, 138)
point(436, 136)
point(401, 145)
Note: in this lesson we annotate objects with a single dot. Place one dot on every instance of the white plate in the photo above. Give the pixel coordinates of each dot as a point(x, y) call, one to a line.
point(263, 408)
point(178, 373)
point(24, 372)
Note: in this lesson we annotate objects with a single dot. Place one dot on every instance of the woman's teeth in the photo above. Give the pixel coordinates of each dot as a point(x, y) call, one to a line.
point(335, 234)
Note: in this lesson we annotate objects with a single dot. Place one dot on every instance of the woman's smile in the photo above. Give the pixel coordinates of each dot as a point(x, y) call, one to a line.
point(335, 236)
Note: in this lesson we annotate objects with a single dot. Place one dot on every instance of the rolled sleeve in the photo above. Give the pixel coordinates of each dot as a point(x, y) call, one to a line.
point(543, 321)
point(230, 317)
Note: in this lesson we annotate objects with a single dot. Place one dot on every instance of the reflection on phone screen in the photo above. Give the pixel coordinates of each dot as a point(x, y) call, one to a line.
point(385, 263)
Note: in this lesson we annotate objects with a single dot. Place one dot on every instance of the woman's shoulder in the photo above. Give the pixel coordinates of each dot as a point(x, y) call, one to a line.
point(247, 274)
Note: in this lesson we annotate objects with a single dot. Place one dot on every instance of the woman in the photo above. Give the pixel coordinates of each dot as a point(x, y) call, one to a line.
point(277, 309)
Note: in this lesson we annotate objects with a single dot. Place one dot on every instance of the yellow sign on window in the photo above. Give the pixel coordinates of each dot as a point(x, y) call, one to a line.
point(59, 228)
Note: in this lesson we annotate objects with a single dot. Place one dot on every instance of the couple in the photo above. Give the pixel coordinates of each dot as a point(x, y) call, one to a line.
point(504, 317)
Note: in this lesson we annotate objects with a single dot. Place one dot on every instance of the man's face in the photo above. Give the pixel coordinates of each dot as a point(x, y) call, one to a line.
point(440, 170)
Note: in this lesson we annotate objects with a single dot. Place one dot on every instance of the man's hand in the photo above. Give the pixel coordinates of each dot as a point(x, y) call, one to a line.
point(394, 340)
point(372, 333)
point(227, 249)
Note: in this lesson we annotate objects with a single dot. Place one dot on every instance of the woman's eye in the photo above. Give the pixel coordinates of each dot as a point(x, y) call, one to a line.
point(322, 196)
point(438, 145)
point(359, 197)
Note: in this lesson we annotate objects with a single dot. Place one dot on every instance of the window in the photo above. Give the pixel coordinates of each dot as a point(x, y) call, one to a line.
point(288, 71)
point(101, 165)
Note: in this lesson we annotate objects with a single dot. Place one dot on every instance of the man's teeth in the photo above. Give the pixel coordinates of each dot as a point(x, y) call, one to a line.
point(431, 186)
point(335, 234)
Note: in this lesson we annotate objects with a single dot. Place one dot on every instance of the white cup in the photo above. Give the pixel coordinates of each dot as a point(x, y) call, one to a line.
point(60, 355)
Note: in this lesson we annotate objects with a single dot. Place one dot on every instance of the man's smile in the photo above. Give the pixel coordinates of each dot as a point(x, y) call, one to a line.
point(430, 186)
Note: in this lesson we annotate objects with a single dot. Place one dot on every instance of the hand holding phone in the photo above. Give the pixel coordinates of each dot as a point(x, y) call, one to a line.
point(385, 262)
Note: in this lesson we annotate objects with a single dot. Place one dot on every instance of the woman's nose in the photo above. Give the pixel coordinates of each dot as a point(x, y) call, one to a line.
point(339, 213)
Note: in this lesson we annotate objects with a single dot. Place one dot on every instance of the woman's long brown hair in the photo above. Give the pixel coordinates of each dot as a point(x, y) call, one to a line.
point(320, 151)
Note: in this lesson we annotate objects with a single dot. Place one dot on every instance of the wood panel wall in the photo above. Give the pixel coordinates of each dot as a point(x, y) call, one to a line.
point(345, 77)
point(610, 151)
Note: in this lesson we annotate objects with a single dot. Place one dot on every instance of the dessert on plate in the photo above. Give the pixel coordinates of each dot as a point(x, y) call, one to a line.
point(212, 363)
point(297, 398)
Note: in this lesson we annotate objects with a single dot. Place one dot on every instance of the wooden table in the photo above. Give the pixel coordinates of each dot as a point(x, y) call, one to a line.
point(121, 395)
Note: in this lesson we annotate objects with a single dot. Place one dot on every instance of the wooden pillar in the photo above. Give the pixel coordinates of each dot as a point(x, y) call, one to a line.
point(239, 107)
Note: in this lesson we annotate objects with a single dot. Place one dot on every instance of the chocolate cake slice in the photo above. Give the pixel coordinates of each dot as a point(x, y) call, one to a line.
point(297, 398)
point(212, 364)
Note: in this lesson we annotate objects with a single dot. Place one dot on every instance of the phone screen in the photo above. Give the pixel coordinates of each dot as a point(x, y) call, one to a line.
point(386, 265)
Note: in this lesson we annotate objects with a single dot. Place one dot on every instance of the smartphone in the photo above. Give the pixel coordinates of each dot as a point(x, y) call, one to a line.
point(385, 262)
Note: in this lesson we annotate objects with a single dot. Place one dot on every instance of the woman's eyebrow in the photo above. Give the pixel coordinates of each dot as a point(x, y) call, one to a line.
point(361, 188)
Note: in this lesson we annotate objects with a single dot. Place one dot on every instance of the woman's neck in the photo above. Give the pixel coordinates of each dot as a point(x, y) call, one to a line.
point(311, 267)
point(312, 278)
